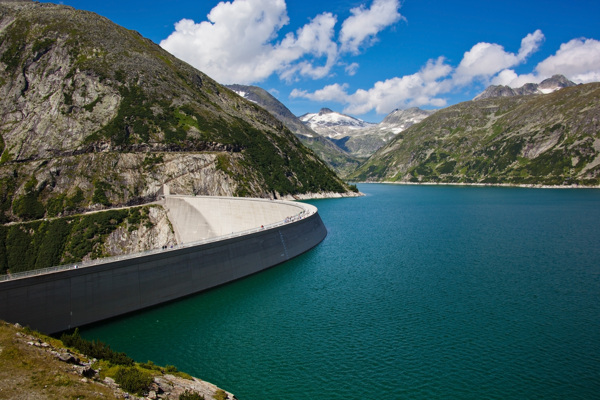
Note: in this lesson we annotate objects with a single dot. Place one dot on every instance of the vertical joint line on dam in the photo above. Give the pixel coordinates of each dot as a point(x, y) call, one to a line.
point(287, 257)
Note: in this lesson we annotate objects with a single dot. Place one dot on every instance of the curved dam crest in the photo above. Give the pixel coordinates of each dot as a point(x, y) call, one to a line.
point(221, 239)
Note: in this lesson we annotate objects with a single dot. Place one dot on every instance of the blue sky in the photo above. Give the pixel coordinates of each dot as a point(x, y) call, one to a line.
point(366, 58)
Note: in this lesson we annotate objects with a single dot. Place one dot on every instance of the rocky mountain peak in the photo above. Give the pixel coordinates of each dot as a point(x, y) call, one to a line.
point(549, 85)
point(554, 83)
point(324, 111)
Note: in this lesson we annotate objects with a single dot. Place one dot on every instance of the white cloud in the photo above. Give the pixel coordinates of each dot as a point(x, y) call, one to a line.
point(365, 24)
point(509, 77)
point(352, 69)
point(578, 60)
point(240, 42)
point(485, 60)
point(234, 44)
point(419, 89)
point(530, 44)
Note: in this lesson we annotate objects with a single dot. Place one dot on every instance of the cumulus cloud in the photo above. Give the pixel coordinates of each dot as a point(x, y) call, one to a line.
point(578, 59)
point(240, 41)
point(419, 89)
point(235, 32)
point(488, 63)
point(509, 77)
point(485, 60)
point(365, 23)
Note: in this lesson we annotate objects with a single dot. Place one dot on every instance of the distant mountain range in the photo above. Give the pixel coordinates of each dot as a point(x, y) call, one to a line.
point(544, 133)
point(532, 139)
point(360, 138)
point(342, 141)
point(338, 159)
point(546, 86)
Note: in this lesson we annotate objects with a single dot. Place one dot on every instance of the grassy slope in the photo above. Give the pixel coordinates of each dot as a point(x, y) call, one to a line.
point(549, 139)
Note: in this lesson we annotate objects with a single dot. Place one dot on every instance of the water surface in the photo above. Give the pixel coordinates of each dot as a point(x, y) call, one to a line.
point(417, 292)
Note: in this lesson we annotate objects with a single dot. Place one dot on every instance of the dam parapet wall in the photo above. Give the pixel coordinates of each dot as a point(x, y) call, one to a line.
point(71, 297)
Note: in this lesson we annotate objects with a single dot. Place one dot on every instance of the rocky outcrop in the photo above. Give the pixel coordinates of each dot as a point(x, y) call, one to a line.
point(155, 233)
point(54, 371)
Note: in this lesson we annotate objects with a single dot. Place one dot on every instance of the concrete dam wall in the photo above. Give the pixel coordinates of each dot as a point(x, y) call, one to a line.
point(258, 234)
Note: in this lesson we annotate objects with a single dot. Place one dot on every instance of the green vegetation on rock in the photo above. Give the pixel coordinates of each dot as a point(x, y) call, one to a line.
point(551, 139)
point(113, 115)
point(43, 244)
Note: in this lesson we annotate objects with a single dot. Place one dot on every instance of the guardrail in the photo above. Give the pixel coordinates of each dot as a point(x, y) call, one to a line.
point(307, 211)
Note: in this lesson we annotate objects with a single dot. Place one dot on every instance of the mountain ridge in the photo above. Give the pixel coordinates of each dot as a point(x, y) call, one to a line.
point(551, 140)
point(327, 150)
point(90, 106)
point(360, 138)
point(547, 86)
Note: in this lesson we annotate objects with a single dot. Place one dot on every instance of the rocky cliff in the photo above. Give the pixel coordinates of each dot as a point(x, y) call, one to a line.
point(545, 139)
point(97, 115)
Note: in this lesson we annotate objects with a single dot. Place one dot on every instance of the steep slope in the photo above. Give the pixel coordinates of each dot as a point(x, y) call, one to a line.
point(550, 139)
point(95, 115)
point(335, 157)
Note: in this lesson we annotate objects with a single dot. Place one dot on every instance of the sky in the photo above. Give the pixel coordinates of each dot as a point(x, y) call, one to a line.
point(366, 58)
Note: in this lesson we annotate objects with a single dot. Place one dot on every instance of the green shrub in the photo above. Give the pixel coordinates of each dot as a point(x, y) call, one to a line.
point(171, 369)
point(99, 196)
point(133, 380)
point(28, 206)
point(188, 395)
point(95, 349)
point(220, 395)
point(151, 366)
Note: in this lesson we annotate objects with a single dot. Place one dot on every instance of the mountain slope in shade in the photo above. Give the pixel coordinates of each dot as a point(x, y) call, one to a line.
point(547, 86)
point(95, 115)
point(338, 159)
point(552, 139)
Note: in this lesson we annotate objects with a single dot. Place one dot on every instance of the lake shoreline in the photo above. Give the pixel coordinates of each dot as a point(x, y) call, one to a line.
point(512, 185)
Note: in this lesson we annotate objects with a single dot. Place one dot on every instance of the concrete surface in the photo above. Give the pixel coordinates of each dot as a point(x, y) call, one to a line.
point(62, 300)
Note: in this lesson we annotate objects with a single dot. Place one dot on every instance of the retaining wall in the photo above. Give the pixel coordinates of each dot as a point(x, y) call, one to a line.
point(62, 300)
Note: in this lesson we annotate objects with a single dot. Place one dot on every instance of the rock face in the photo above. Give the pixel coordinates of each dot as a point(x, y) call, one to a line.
point(551, 139)
point(338, 159)
point(549, 85)
point(86, 105)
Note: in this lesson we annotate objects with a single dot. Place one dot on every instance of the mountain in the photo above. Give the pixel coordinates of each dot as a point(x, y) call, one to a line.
point(360, 138)
point(400, 120)
point(335, 157)
point(333, 124)
point(549, 85)
point(95, 115)
point(552, 139)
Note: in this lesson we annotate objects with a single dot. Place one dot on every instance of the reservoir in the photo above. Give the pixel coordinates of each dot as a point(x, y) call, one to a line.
point(417, 292)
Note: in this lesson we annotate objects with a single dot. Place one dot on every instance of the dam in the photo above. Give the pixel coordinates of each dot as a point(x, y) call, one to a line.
point(220, 240)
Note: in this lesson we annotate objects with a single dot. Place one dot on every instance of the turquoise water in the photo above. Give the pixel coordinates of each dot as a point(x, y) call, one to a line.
point(417, 292)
